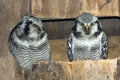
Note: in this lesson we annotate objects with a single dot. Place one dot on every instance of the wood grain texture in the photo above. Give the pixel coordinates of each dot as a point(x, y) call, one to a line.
point(10, 13)
point(117, 72)
point(77, 70)
point(73, 8)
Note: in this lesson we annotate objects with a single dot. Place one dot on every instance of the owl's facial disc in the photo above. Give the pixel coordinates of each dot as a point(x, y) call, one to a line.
point(86, 28)
point(35, 27)
point(34, 24)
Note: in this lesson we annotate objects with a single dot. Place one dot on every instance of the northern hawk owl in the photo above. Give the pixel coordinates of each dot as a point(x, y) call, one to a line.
point(28, 42)
point(87, 40)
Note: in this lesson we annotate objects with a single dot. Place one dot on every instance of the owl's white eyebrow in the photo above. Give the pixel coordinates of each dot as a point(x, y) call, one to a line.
point(96, 22)
point(77, 21)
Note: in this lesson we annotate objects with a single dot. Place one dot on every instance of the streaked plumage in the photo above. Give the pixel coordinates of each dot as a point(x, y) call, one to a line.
point(87, 39)
point(28, 42)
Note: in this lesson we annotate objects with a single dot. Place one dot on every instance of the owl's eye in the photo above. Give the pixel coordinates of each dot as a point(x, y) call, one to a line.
point(34, 25)
point(81, 24)
point(92, 24)
point(37, 27)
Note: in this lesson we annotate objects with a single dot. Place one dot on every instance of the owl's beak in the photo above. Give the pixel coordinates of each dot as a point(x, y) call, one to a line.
point(87, 27)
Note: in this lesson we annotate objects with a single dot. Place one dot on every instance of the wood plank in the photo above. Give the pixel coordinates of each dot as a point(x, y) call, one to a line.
point(77, 70)
point(73, 8)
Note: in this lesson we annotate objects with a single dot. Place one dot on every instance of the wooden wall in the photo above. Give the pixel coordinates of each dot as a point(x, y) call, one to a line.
point(60, 14)
point(73, 8)
point(10, 13)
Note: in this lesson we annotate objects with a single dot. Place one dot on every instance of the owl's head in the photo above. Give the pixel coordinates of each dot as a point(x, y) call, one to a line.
point(87, 24)
point(30, 27)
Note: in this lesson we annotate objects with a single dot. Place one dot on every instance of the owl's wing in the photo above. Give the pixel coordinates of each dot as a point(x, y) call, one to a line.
point(104, 45)
point(69, 47)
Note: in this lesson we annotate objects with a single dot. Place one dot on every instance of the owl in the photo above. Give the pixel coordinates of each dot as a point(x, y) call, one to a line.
point(28, 42)
point(87, 40)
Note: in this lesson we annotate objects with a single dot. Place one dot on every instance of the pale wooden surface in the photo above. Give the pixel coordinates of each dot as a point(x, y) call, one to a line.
point(73, 8)
point(77, 70)
point(10, 13)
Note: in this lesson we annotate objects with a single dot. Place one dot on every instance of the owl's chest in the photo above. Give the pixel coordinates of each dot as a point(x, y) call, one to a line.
point(87, 45)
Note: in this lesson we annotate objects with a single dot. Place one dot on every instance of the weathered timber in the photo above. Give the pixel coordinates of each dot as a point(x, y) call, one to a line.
point(73, 8)
point(10, 13)
point(76, 70)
